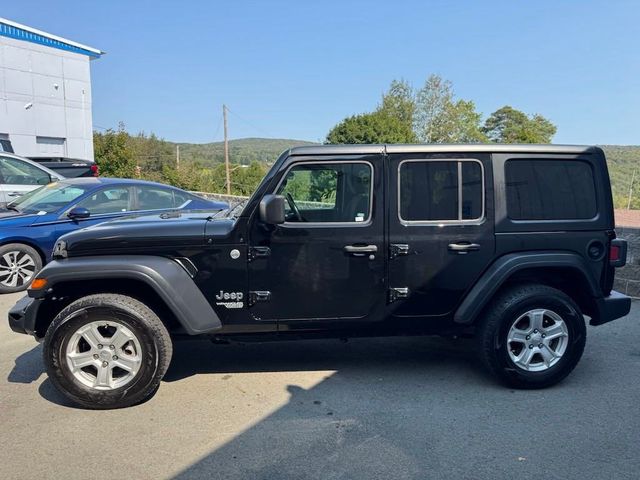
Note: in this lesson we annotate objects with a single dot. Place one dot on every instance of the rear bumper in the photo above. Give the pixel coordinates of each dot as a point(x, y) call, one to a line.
point(22, 316)
point(610, 308)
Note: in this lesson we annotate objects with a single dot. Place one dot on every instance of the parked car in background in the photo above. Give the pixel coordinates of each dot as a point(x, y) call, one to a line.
point(30, 225)
point(69, 167)
point(19, 176)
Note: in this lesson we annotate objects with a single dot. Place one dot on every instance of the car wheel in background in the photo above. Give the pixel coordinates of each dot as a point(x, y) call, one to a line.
point(107, 351)
point(19, 264)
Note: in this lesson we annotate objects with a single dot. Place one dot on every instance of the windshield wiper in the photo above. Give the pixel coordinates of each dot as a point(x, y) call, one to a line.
point(12, 207)
point(229, 212)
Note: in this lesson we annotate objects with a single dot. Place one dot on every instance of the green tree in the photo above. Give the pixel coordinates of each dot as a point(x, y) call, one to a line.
point(509, 125)
point(246, 179)
point(440, 118)
point(376, 127)
point(399, 102)
point(113, 154)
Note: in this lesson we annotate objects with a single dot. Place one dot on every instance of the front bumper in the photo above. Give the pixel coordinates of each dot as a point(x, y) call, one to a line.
point(609, 308)
point(22, 316)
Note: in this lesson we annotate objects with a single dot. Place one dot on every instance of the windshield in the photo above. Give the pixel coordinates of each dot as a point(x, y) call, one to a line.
point(236, 210)
point(49, 198)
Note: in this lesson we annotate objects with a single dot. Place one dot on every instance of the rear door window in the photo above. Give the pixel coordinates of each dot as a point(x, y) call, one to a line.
point(154, 198)
point(550, 189)
point(107, 200)
point(441, 191)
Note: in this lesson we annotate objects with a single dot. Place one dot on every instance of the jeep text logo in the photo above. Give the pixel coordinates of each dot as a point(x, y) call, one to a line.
point(229, 295)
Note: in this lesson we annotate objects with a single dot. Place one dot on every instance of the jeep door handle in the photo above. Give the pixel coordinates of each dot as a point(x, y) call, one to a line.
point(360, 249)
point(463, 247)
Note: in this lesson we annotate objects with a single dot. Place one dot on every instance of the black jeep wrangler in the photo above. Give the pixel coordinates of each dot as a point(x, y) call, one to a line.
point(511, 244)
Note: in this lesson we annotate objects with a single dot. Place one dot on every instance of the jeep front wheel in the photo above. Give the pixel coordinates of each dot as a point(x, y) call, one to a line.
point(532, 336)
point(107, 351)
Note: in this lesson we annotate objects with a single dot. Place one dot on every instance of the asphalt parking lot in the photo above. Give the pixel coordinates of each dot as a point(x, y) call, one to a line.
point(373, 408)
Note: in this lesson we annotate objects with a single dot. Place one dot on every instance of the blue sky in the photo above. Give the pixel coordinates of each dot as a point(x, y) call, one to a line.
point(292, 69)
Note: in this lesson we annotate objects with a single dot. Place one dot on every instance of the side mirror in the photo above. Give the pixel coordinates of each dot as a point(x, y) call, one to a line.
point(44, 180)
point(272, 209)
point(78, 213)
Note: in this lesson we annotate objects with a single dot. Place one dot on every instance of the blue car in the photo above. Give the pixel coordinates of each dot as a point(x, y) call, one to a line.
point(31, 224)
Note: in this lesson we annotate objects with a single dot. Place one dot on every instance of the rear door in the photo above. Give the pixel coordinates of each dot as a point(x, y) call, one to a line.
point(441, 230)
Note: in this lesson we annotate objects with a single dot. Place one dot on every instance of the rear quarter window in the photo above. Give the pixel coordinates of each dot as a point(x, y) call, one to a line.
point(550, 189)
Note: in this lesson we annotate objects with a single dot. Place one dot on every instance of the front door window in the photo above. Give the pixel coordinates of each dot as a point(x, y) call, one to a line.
point(328, 193)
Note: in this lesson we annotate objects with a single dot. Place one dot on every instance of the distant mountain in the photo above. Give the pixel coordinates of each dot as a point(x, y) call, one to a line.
point(244, 150)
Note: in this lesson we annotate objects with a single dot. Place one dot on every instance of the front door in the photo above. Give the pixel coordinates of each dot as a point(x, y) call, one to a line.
point(441, 230)
point(103, 205)
point(326, 262)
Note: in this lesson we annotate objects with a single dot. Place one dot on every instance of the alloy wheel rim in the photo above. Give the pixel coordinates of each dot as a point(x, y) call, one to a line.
point(104, 355)
point(537, 340)
point(17, 268)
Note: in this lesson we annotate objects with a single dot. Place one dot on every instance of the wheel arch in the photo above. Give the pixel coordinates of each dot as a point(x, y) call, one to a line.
point(564, 271)
point(158, 282)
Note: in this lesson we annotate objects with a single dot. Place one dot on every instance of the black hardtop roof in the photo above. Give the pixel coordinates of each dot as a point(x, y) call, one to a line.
point(439, 148)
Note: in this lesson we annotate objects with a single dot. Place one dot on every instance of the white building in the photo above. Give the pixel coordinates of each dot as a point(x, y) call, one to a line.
point(45, 93)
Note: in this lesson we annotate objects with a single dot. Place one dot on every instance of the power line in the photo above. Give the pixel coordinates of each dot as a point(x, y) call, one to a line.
point(215, 135)
point(252, 125)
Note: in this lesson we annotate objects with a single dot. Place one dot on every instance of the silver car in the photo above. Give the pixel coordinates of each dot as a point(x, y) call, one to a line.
point(19, 176)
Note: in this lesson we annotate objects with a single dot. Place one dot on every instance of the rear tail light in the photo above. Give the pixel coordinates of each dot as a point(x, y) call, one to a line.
point(614, 253)
point(95, 170)
point(618, 253)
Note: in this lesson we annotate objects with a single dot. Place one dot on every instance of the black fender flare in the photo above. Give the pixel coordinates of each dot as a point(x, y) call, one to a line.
point(504, 267)
point(166, 277)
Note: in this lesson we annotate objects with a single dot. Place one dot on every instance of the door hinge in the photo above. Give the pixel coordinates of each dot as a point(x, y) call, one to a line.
point(397, 249)
point(258, 252)
point(259, 296)
point(398, 293)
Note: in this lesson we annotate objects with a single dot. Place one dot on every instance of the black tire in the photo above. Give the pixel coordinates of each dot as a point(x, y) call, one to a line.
point(502, 314)
point(22, 251)
point(151, 333)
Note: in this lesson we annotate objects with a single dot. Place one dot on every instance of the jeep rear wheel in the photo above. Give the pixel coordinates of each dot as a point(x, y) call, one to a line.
point(532, 336)
point(107, 351)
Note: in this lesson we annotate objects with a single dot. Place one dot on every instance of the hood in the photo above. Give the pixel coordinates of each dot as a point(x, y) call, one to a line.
point(142, 234)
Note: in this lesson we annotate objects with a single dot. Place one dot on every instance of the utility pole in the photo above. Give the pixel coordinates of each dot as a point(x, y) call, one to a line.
point(177, 156)
point(226, 149)
point(633, 177)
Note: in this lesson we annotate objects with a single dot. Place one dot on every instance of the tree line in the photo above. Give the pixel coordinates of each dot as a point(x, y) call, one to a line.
point(119, 154)
point(434, 114)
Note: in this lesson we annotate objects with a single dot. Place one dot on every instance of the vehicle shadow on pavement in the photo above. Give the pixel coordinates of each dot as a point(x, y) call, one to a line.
point(402, 408)
point(194, 357)
point(29, 368)
point(416, 408)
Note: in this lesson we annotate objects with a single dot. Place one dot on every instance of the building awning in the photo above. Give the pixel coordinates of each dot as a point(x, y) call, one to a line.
point(15, 30)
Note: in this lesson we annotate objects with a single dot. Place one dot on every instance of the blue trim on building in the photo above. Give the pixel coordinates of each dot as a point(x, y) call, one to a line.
point(20, 34)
